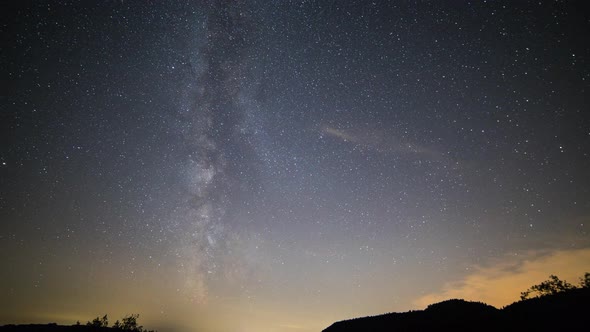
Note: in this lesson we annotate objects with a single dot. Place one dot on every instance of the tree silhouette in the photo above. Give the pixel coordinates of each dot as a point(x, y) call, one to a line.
point(129, 323)
point(585, 280)
point(99, 322)
point(548, 287)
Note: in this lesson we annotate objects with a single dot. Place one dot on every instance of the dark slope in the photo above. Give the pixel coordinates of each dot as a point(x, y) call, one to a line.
point(447, 315)
point(55, 328)
point(558, 312)
point(52, 327)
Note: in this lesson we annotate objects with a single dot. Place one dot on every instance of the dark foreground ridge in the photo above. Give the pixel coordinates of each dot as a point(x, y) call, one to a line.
point(558, 312)
point(127, 324)
point(52, 327)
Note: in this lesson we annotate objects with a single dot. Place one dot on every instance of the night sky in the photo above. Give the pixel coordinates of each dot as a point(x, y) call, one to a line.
point(281, 165)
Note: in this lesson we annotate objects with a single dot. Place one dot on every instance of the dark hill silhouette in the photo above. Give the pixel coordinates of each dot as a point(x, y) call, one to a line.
point(558, 312)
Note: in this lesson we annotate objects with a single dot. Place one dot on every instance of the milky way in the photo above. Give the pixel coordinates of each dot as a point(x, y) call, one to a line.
point(219, 169)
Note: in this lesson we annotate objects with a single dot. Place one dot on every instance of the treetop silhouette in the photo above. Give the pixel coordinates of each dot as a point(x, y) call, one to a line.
point(553, 286)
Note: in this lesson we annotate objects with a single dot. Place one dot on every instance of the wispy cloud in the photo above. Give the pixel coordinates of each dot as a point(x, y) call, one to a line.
point(341, 134)
point(501, 282)
point(384, 142)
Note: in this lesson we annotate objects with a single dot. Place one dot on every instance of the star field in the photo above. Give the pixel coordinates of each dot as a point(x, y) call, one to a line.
point(253, 165)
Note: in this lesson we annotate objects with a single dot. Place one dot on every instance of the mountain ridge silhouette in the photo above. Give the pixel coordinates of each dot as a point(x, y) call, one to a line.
point(557, 312)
